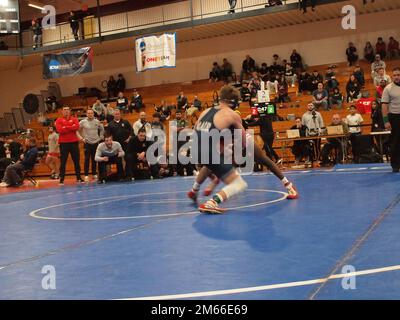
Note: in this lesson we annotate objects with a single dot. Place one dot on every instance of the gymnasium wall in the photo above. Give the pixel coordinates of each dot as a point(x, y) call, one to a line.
point(319, 43)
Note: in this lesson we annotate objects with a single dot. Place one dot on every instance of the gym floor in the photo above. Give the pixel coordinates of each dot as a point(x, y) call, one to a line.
point(147, 240)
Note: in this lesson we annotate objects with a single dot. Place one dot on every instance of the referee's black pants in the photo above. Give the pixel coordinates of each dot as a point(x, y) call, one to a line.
point(394, 120)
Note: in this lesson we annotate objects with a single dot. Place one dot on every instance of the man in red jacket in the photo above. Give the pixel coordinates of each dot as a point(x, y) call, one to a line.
point(67, 126)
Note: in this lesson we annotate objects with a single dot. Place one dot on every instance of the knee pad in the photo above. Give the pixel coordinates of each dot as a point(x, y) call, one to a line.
point(235, 187)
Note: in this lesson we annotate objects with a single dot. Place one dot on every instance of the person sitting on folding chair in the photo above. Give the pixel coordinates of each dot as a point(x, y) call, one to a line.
point(14, 174)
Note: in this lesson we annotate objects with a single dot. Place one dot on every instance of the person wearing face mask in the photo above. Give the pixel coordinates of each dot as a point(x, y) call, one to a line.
point(391, 117)
point(334, 143)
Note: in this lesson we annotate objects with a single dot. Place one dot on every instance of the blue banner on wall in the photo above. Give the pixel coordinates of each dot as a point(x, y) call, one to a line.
point(68, 63)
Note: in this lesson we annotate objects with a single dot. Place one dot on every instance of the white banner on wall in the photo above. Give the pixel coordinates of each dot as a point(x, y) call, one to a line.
point(155, 52)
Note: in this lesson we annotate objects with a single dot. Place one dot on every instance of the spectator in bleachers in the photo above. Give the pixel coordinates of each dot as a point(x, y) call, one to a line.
point(359, 74)
point(315, 78)
point(304, 81)
point(14, 174)
point(110, 113)
point(334, 144)
point(2, 148)
point(369, 52)
point(351, 53)
point(245, 93)
point(67, 127)
point(301, 148)
point(37, 33)
point(74, 24)
point(53, 154)
point(91, 132)
point(276, 65)
point(272, 83)
point(232, 6)
point(393, 48)
point(248, 66)
point(353, 89)
point(100, 111)
point(121, 83)
point(227, 71)
point(332, 84)
point(263, 71)
point(111, 87)
point(136, 102)
point(377, 64)
point(320, 97)
point(329, 73)
point(137, 165)
point(380, 48)
point(142, 123)
point(380, 89)
point(380, 75)
point(164, 110)
point(304, 3)
point(255, 85)
point(107, 153)
point(194, 107)
point(156, 123)
point(120, 129)
point(122, 102)
point(290, 75)
point(296, 60)
point(336, 99)
point(182, 101)
point(215, 73)
point(283, 90)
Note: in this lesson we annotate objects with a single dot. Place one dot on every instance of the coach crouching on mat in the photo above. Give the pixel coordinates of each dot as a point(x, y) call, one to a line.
point(109, 152)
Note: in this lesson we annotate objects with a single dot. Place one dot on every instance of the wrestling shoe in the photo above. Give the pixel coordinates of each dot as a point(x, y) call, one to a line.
point(192, 195)
point(211, 206)
point(293, 194)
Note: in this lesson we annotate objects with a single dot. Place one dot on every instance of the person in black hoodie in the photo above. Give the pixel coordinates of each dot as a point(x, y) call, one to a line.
point(137, 165)
point(112, 87)
point(378, 125)
point(301, 148)
point(121, 83)
point(120, 129)
point(74, 24)
point(13, 177)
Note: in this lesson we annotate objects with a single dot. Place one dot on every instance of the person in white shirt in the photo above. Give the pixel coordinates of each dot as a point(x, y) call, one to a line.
point(380, 75)
point(377, 64)
point(142, 123)
point(53, 155)
point(354, 120)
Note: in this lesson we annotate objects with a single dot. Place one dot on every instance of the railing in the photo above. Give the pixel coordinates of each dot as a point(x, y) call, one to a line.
point(184, 11)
